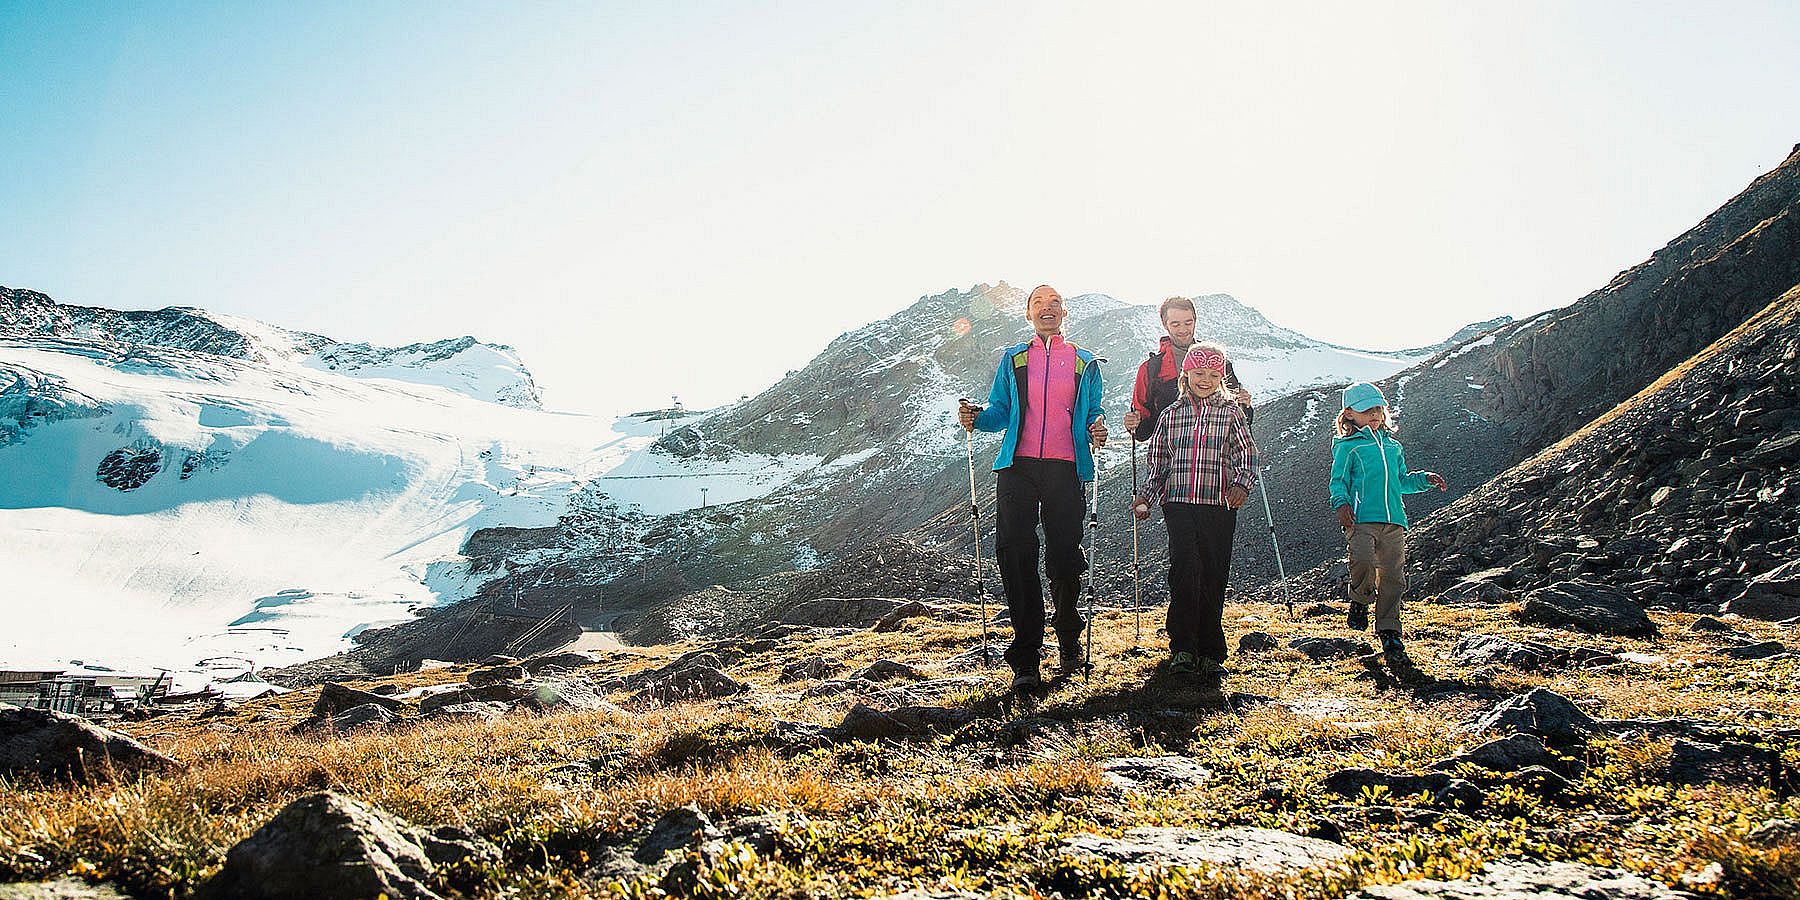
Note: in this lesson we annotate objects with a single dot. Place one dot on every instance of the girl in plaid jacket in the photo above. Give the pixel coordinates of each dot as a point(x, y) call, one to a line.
point(1202, 467)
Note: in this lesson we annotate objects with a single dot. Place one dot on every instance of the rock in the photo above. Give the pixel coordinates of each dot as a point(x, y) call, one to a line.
point(801, 735)
point(1320, 649)
point(1487, 587)
point(1446, 790)
point(1587, 606)
point(57, 746)
point(912, 609)
point(498, 659)
point(335, 698)
point(1773, 596)
point(499, 692)
point(1257, 849)
point(1530, 880)
point(812, 668)
point(330, 845)
point(676, 830)
point(830, 612)
point(1507, 754)
point(60, 889)
point(568, 659)
point(1540, 781)
point(1256, 642)
point(1728, 762)
point(693, 683)
point(495, 675)
point(884, 670)
point(762, 833)
point(1322, 611)
point(1540, 711)
point(476, 711)
point(368, 715)
point(1379, 814)
point(1762, 650)
point(1138, 773)
point(1477, 650)
point(1776, 833)
point(866, 723)
point(1708, 624)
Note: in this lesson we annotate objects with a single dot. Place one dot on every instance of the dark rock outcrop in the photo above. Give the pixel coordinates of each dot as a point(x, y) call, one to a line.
point(53, 745)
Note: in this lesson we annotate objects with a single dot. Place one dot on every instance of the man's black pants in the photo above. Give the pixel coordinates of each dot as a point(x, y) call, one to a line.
point(1024, 488)
point(1200, 537)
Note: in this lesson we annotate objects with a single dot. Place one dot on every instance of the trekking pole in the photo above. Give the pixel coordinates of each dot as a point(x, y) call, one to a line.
point(1137, 581)
point(1093, 523)
point(1269, 516)
point(975, 522)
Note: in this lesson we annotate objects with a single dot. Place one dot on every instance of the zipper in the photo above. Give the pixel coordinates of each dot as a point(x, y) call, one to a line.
point(1386, 505)
point(1044, 421)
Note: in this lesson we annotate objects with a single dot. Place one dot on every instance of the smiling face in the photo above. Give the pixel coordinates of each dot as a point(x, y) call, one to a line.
point(1179, 323)
point(1204, 382)
point(1045, 311)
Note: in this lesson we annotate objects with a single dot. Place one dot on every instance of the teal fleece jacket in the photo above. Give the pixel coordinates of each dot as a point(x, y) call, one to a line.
point(1002, 410)
point(1369, 475)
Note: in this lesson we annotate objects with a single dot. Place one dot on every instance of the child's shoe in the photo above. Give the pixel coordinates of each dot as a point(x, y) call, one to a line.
point(1392, 649)
point(1358, 620)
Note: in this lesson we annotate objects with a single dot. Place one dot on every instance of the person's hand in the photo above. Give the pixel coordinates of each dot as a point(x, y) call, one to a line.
point(966, 414)
point(1140, 509)
point(1097, 432)
point(1243, 397)
point(1132, 420)
point(1437, 481)
point(1346, 518)
point(1235, 496)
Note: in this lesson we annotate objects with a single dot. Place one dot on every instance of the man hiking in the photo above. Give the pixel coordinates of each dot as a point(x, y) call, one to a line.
point(1046, 397)
point(1159, 377)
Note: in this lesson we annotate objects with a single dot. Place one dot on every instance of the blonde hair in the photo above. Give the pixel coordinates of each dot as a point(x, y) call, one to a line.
point(1181, 380)
point(1346, 428)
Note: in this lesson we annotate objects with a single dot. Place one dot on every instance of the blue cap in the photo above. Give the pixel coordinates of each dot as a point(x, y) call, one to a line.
point(1363, 396)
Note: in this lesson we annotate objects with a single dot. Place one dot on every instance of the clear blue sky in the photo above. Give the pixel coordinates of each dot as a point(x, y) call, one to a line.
point(608, 186)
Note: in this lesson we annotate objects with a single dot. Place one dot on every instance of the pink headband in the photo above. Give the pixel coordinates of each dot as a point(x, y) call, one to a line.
point(1204, 358)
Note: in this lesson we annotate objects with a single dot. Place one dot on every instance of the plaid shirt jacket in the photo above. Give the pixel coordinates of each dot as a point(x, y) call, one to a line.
point(1200, 448)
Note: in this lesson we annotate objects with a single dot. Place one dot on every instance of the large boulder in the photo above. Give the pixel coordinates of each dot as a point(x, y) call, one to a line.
point(1476, 649)
point(1587, 606)
point(335, 698)
point(1540, 711)
point(1772, 596)
point(53, 745)
point(696, 682)
point(1507, 754)
point(1257, 849)
point(1729, 762)
point(330, 845)
point(1530, 880)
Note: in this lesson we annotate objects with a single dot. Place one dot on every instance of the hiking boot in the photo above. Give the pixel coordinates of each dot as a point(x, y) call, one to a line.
point(1212, 668)
point(1358, 620)
point(1183, 663)
point(1026, 679)
point(1392, 649)
point(1070, 661)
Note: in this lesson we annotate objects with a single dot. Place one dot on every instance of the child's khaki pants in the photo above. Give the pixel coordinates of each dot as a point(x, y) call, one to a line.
point(1378, 570)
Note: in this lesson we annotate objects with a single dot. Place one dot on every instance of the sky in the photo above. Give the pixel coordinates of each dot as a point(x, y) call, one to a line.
point(652, 199)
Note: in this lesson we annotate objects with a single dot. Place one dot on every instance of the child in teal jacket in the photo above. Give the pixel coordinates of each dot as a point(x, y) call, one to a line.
point(1368, 478)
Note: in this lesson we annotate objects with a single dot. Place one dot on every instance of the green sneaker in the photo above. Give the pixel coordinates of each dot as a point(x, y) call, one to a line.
point(1212, 668)
point(1183, 663)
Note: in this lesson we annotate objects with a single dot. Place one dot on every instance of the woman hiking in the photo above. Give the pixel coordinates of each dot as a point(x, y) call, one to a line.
point(1202, 465)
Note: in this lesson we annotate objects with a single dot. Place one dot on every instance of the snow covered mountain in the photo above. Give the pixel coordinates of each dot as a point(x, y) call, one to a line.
point(182, 486)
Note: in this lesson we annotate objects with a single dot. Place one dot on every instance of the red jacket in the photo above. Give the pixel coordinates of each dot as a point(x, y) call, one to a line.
point(1153, 393)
